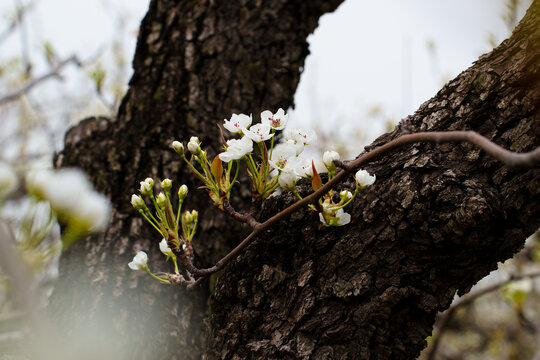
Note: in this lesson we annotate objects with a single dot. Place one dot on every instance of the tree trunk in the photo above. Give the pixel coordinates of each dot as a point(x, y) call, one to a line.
point(437, 220)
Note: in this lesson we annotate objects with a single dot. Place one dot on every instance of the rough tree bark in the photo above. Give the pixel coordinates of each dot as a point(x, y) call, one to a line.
point(438, 219)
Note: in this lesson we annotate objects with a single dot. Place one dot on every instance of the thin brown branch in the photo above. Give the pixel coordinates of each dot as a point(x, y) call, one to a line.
point(465, 301)
point(241, 217)
point(32, 83)
point(529, 159)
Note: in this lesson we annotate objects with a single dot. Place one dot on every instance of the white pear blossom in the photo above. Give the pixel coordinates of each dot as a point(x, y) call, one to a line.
point(299, 146)
point(139, 261)
point(329, 157)
point(137, 202)
point(287, 178)
point(237, 149)
point(276, 121)
point(339, 219)
point(165, 249)
point(258, 132)
point(178, 147)
point(194, 145)
point(305, 168)
point(237, 123)
point(345, 195)
point(283, 155)
point(8, 179)
point(363, 178)
point(305, 136)
point(343, 218)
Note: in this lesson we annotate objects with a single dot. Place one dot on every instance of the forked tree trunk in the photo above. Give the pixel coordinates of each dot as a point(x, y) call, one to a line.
point(437, 220)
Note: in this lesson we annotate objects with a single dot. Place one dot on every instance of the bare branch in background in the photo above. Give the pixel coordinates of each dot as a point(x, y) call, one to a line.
point(30, 84)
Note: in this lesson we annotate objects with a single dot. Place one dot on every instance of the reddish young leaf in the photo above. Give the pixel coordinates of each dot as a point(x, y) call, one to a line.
point(217, 169)
point(316, 183)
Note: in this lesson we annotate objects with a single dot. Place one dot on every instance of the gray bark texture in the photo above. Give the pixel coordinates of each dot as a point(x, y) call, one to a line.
point(438, 218)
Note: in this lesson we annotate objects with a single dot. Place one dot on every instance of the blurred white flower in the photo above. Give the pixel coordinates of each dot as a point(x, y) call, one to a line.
point(237, 123)
point(71, 195)
point(364, 178)
point(237, 149)
point(92, 212)
point(276, 121)
point(8, 179)
point(139, 261)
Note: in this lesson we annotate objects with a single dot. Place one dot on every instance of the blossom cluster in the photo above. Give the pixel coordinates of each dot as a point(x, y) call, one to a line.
point(270, 165)
point(177, 230)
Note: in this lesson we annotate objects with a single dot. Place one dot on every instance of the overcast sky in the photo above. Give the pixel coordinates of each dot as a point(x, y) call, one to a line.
point(382, 58)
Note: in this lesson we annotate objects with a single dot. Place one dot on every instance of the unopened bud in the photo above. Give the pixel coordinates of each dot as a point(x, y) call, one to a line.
point(178, 147)
point(137, 202)
point(194, 145)
point(150, 181)
point(161, 199)
point(195, 215)
point(146, 188)
point(166, 184)
point(345, 195)
point(182, 192)
point(188, 218)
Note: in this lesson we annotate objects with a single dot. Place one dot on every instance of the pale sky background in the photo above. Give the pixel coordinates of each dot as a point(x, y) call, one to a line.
point(370, 62)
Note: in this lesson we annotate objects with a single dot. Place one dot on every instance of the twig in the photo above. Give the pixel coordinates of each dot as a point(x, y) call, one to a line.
point(529, 159)
point(29, 85)
point(461, 302)
point(244, 218)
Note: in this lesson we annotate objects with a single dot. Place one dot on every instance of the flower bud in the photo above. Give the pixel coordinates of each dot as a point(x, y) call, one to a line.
point(194, 145)
point(164, 248)
point(161, 199)
point(137, 202)
point(139, 261)
point(166, 184)
point(195, 215)
point(329, 157)
point(146, 188)
point(363, 178)
point(150, 181)
point(188, 218)
point(345, 195)
point(182, 192)
point(178, 147)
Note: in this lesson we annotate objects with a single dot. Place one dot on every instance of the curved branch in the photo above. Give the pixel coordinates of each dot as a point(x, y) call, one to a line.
point(449, 314)
point(529, 159)
point(29, 85)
